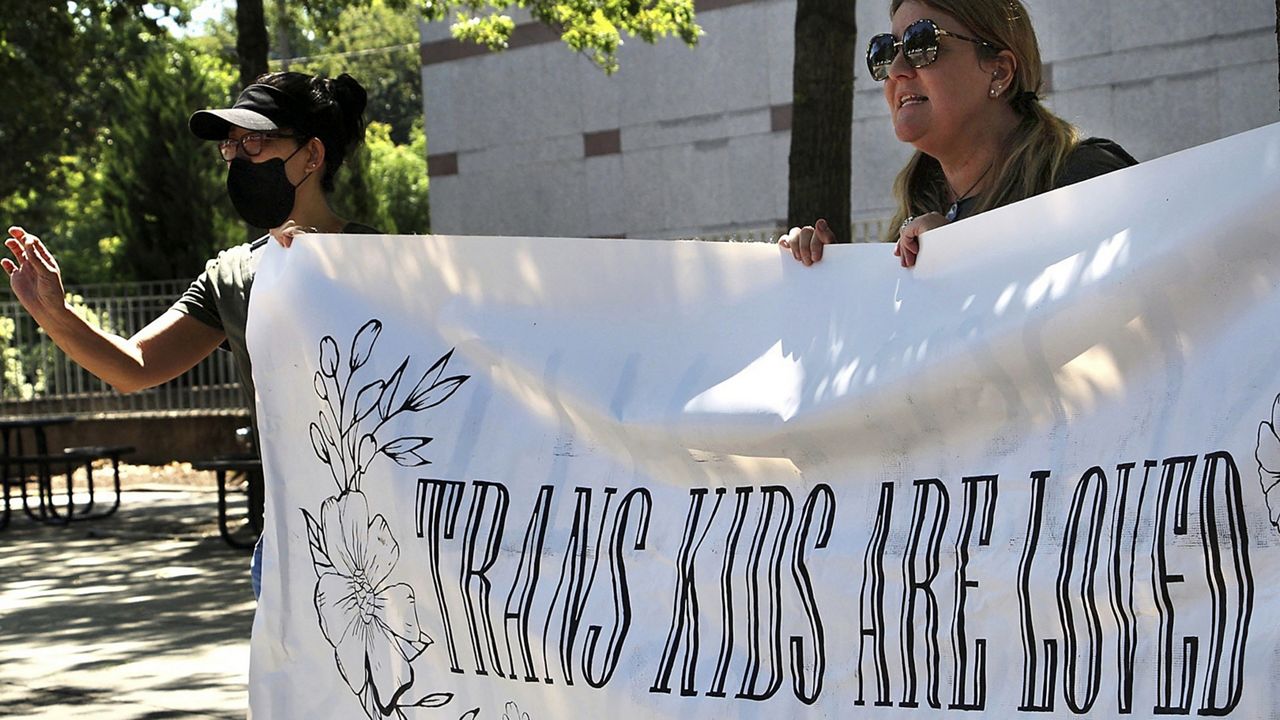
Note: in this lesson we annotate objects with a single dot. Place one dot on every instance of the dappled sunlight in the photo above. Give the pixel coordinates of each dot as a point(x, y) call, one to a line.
point(1053, 283)
point(771, 384)
point(1088, 378)
point(1063, 276)
point(1110, 255)
point(112, 614)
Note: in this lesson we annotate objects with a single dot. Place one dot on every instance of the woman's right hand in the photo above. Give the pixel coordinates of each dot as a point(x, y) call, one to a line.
point(806, 243)
point(33, 274)
point(287, 232)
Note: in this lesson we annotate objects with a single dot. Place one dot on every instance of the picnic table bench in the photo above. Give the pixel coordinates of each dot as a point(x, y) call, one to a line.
point(248, 468)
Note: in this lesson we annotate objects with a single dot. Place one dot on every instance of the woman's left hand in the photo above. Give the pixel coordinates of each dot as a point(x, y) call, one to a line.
point(908, 248)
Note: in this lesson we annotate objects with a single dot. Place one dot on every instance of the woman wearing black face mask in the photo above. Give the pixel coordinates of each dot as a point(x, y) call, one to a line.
point(283, 141)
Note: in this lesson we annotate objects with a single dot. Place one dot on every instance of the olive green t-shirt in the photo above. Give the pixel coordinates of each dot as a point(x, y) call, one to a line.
point(219, 298)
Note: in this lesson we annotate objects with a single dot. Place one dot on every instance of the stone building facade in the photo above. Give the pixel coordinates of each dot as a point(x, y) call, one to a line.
point(682, 142)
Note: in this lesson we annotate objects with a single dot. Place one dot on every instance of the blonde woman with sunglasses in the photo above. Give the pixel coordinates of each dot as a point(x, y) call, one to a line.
point(962, 80)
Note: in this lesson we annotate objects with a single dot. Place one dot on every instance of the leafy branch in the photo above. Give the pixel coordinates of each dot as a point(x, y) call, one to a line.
point(341, 436)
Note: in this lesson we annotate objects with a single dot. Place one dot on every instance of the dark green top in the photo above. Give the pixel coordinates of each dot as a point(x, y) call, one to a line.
point(219, 298)
point(1089, 159)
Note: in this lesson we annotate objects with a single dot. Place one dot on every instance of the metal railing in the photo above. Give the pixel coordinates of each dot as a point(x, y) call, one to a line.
point(37, 378)
point(862, 231)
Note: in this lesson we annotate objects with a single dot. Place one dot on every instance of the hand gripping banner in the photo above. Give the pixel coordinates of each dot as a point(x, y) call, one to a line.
point(1035, 476)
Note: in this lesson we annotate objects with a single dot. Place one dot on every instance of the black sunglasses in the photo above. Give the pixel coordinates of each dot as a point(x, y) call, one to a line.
point(919, 44)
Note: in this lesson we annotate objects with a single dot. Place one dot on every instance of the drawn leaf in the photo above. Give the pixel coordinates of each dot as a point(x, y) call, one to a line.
point(367, 400)
point(326, 429)
point(362, 345)
point(405, 444)
point(389, 395)
point(436, 394)
point(321, 391)
point(471, 714)
point(329, 357)
point(429, 379)
point(435, 700)
point(317, 444)
point(315, 539)
point(366, 453)
point(406, 451)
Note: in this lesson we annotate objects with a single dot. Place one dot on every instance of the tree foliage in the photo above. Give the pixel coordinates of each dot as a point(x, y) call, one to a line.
point(592, 27)
point(57, 85)
point(162, 187)
point(385, 183)
point(377, 44)
point(68, 67)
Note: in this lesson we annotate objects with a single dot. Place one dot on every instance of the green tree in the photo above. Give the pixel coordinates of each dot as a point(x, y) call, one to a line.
point(55, 72)
point(162, 187)
point(377, 44)
point(593, 27)
point(386, 183)
point(66, 66)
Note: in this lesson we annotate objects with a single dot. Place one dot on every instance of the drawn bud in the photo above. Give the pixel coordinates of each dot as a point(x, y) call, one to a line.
point(321, 391)
point(367, 451)
point(362, 345)
point(318, 444)
point(329, 357)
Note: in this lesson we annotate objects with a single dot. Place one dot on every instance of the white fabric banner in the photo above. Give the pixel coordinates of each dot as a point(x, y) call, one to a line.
point(563, 478)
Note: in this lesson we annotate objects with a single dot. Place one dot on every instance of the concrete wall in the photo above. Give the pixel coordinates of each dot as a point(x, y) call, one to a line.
point(537, 141)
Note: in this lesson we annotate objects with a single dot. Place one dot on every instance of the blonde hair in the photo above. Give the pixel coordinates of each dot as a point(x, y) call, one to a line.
point(1040, 143)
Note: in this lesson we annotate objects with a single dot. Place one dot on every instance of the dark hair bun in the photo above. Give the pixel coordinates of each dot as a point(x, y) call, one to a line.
point(352, 99)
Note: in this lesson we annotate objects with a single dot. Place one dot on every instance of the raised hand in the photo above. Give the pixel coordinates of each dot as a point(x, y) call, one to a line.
point(33, 274)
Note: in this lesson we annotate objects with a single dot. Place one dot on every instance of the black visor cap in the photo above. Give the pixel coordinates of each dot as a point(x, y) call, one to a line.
point(259, 107)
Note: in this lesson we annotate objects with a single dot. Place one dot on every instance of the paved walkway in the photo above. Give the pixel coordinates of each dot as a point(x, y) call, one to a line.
point(141, 616)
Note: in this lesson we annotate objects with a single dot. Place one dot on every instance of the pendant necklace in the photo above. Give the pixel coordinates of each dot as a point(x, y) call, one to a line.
point(955, 206)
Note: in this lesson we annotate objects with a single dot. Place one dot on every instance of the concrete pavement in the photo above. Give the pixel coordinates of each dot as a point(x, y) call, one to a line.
point(141, 616)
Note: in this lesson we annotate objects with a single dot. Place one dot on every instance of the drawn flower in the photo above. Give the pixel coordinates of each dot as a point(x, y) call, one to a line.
point(371, 623)
point(1268, 455)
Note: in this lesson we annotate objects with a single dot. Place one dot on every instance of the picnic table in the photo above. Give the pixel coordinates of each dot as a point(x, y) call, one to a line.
point(25, 457)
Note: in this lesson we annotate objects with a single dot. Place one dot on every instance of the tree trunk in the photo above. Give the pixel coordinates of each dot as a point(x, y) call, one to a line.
point(822, 115)
point(282, 34)
point(251, 40)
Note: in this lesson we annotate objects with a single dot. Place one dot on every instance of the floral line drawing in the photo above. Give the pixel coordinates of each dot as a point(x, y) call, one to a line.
point(339, 437)
point(370, 621)
point(1268, 457)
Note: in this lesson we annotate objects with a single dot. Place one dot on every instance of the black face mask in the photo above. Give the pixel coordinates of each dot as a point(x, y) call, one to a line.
point(261, 192)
